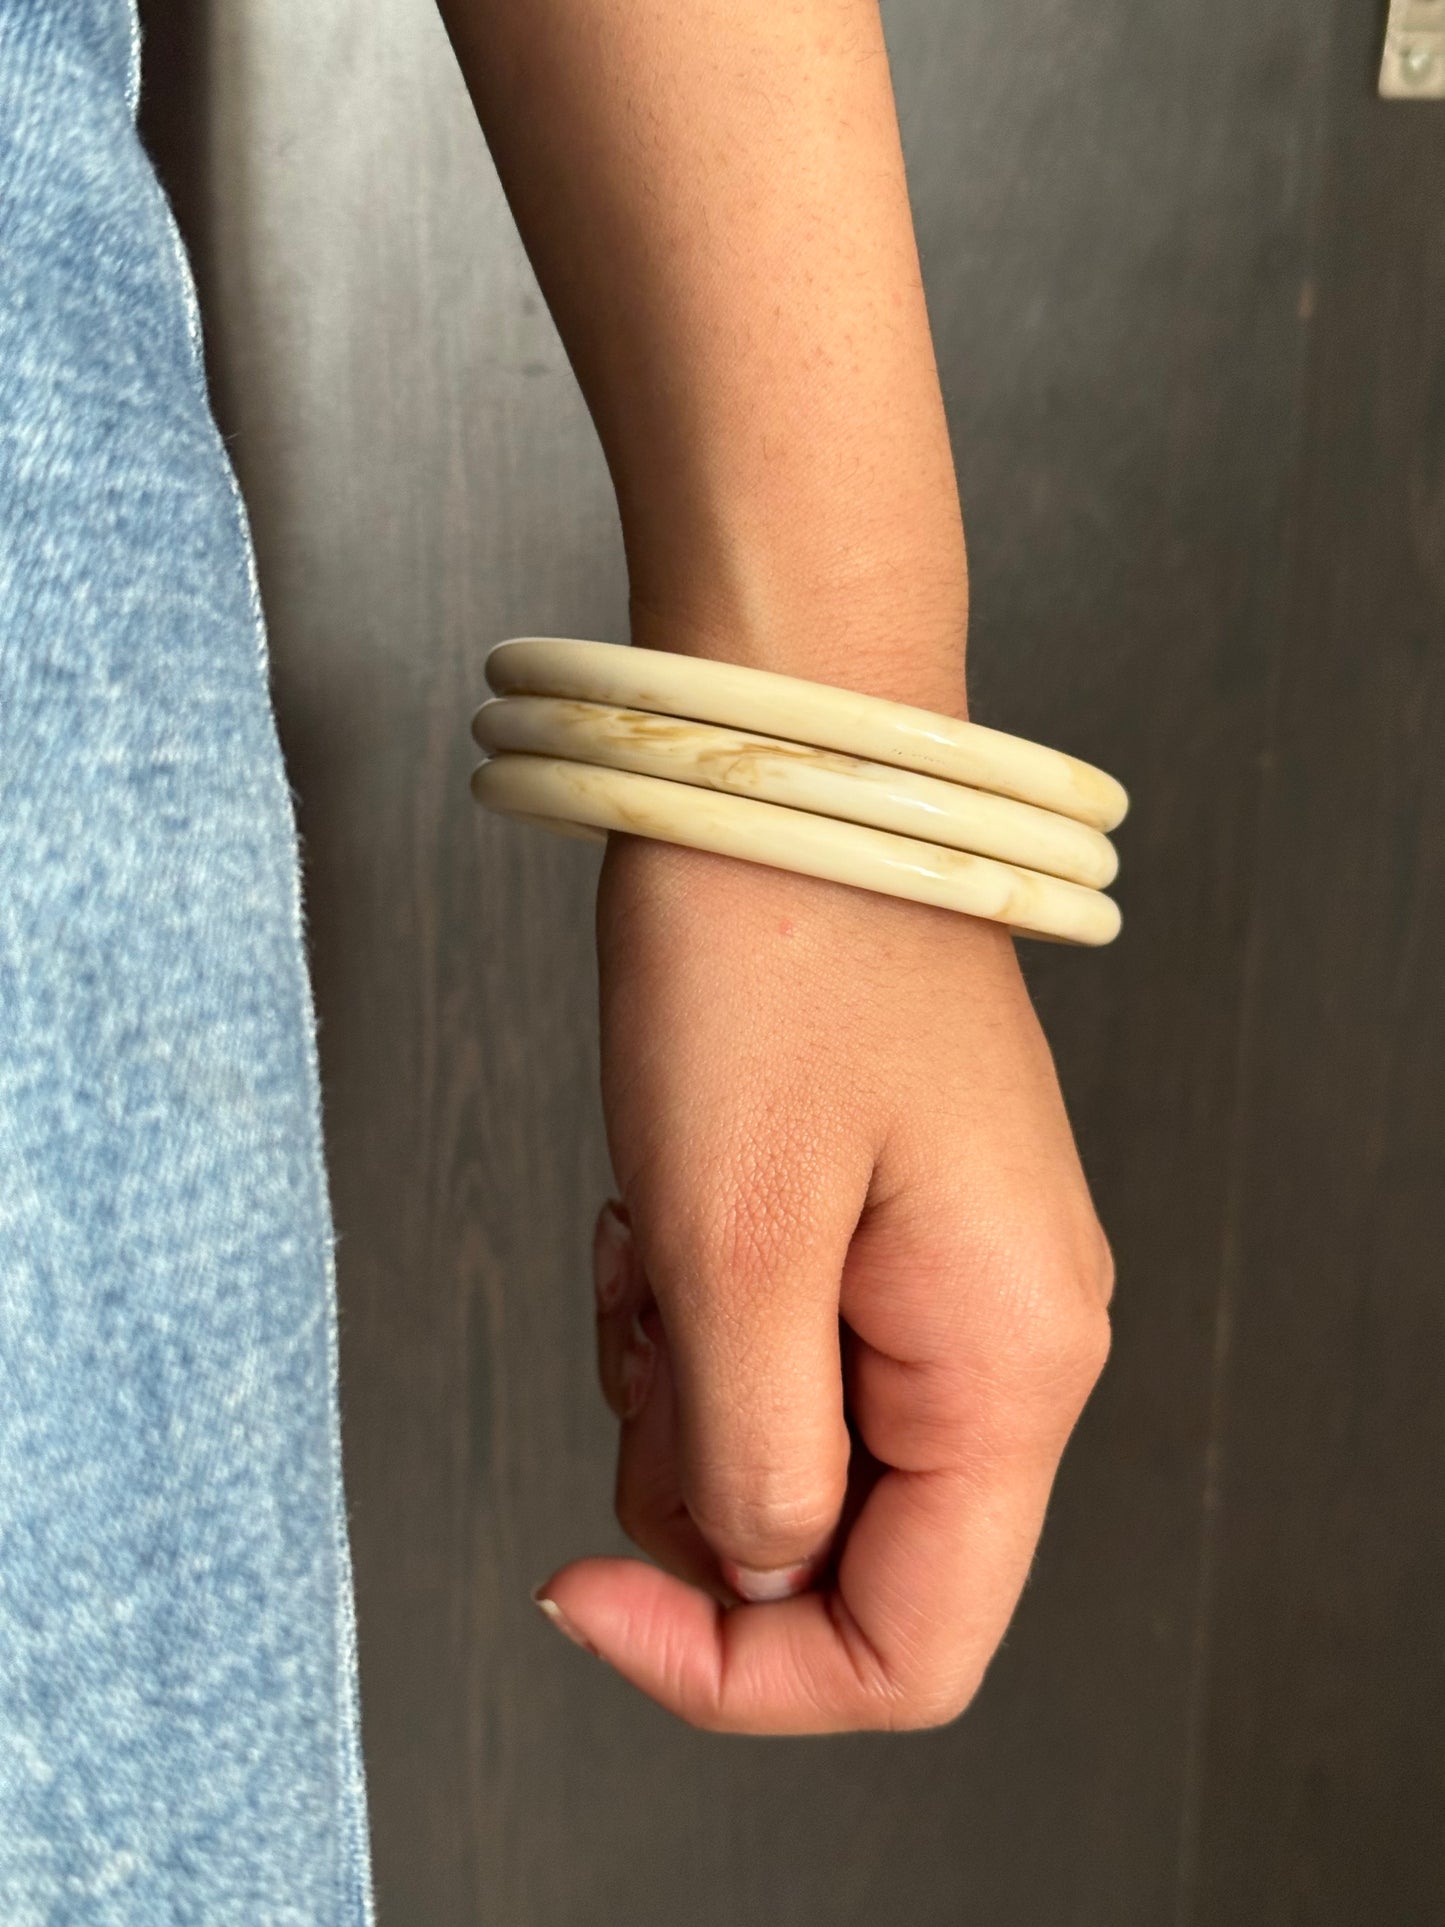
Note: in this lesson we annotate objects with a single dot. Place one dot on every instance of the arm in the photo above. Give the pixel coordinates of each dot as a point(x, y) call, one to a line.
point(713, 199)
point(851, 1188)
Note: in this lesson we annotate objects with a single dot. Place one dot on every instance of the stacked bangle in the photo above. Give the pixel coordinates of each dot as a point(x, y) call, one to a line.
point(594, 737)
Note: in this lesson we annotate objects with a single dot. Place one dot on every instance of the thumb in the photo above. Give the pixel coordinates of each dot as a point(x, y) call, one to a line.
point(747, 1286)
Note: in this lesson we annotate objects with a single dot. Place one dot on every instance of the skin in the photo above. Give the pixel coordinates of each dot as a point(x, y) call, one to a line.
point(853, 1296)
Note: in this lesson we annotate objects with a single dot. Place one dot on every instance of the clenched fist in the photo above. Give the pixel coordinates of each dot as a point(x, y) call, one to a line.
point(850, 1303)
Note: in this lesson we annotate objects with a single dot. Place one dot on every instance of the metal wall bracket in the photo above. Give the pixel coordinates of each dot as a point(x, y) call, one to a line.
point(1414, 64)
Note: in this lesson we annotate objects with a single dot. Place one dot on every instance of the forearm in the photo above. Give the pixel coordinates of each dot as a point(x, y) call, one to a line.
point(712, 195)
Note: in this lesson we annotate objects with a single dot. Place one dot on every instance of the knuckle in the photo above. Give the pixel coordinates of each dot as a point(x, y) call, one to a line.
point(1071, 1349)
point(768, 1200)
point(1056, 1337)
point(1103, 1272)
point(1101, 1341)
point(1085, 1345)
point(908, 1701)
point(764, 1526)
point(753, 1234)
point(937, 1705)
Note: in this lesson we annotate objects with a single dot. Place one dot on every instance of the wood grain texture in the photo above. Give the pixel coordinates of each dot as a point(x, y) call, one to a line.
point(1207, 553)
point(1321, 1774)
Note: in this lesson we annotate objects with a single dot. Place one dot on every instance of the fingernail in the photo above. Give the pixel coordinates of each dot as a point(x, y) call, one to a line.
point(766, 1588)
point(638, 1363)
point(551, 1610)
point(611, 1255)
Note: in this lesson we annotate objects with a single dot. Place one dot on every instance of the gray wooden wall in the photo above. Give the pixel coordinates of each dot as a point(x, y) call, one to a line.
point(1188, 283)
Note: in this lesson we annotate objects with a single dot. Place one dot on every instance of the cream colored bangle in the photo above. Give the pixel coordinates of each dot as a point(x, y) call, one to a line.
point(825, 782)
point(813, 713)
point(542, 788)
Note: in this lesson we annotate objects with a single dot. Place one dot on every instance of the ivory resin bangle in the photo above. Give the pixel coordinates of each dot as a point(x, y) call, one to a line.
point(823, 781)
point(817, 714)
point(543, 788)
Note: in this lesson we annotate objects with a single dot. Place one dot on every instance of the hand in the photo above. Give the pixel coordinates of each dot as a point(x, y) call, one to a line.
point(850, 1309)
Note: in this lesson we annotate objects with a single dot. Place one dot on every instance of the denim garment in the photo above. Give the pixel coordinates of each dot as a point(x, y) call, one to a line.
point(178, 1730)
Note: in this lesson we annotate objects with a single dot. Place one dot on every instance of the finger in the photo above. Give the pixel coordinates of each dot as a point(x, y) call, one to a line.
point(748, 1293)
point(960, 1348)
point(636, 1376)
point(626, 1348)
point(932, 1567)
point(649, 1502)
point(926, 1586)
point(982, 1355)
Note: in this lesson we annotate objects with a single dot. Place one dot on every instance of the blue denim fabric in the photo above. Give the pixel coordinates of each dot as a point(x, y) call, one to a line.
point(178, 1730)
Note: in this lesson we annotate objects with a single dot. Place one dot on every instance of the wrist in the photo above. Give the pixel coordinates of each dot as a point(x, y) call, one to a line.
point(888, 616)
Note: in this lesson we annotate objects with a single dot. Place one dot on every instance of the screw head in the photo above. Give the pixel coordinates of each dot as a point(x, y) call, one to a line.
point(1416, 63)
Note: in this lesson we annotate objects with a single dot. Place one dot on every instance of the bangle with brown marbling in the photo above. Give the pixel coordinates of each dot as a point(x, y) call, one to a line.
point(817, 714)
point(824, 781)
point(549, 790)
